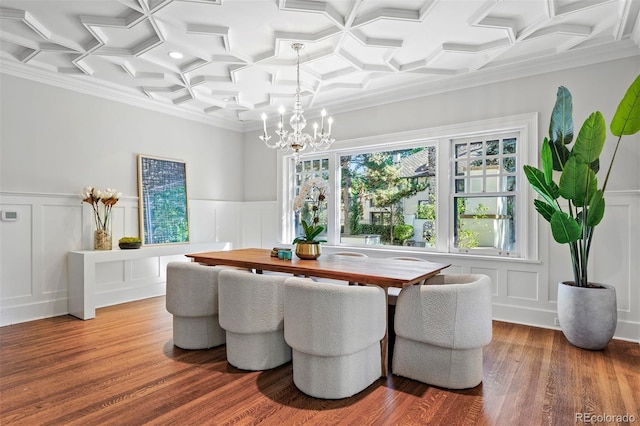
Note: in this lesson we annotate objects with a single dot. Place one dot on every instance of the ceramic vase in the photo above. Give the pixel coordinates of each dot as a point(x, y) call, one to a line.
point(588, 315)
point(308, 251)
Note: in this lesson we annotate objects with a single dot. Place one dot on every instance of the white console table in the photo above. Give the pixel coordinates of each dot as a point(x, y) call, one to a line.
point(83, 275)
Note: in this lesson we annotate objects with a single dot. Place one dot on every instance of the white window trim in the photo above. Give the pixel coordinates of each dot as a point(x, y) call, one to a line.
point(487, 251)
point(525, 124)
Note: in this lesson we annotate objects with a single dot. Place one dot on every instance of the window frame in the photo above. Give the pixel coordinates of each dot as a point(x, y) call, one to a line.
point(526, 228)
point(453, 193)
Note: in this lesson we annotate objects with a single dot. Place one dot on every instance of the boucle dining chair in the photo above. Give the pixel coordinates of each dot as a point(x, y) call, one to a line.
point(441, 328)
point(192, 298)
point(334, 332)
point(252, 314)
point(392, 297)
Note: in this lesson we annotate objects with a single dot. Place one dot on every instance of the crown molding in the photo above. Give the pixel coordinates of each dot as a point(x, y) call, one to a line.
point(525, 68)
point(106, 90)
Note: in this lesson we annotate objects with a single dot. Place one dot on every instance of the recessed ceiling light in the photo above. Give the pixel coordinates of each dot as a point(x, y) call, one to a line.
point(176, 55)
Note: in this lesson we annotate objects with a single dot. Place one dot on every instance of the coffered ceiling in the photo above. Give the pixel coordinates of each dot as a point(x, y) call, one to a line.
point(237, 59)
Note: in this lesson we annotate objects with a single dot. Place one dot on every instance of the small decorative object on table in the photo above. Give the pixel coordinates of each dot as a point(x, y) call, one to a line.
point(276, 250)
point(312, 196)
point(284, 254)
point(127, 243)
point(102, 201)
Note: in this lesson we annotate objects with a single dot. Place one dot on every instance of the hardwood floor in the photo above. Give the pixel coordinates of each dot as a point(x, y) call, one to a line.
point(121, 368)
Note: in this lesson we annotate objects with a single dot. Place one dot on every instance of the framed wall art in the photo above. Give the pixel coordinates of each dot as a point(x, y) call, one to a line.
point(162, 194)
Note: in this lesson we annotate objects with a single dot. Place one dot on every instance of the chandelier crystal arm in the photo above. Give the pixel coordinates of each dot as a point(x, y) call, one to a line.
point(296, 139)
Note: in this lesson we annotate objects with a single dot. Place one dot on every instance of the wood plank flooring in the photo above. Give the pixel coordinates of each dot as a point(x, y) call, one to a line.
point(121, 368)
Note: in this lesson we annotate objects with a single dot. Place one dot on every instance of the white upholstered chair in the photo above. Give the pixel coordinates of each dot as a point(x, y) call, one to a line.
point(392, 297)
point(252, 313)
point(192, 298)
point(441, 328)
point(334, 332)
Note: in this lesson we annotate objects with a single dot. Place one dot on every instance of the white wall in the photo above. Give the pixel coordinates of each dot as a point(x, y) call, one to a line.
point(524, 291)
point(53, 142)
point(58, 141)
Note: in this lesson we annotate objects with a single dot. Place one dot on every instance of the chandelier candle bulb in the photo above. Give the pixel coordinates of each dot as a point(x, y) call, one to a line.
point(315, 130)
point(330, 120)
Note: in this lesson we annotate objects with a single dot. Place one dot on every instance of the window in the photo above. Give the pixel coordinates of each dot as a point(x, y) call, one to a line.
point(380, 193)
point(380, 218)
point(304, 171)
point(484, 193)
point(455, 189)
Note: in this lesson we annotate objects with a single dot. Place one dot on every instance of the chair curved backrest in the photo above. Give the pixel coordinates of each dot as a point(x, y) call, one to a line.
point(192, 298)
point(252, 315)
point(349, 253)
point(251, 303)
point(441, 329)
point(192, 289)
point(334, 332)
point(454, 310)
point(328, 320)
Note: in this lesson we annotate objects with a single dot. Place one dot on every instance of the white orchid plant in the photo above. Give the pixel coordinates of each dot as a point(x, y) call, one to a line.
point(101, 201)
point(313, 193)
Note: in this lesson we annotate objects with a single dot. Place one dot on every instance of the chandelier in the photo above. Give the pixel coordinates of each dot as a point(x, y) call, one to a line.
point(296, 139)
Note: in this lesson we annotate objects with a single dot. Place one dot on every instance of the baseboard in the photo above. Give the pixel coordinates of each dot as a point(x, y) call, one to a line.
point(625, 330)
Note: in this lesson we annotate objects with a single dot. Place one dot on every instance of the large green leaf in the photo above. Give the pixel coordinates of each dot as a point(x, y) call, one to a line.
point(591, 138)
point(577, 182)
point(560, 155)
point(561, 127)
point(561, 124)
point(564, 228)
point(626, 120)
point(547, 161)
point(546, 210)
point(549, 191)
point(596, 208)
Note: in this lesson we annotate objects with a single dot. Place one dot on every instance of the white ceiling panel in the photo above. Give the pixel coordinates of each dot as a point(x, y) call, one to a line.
point(237, 58)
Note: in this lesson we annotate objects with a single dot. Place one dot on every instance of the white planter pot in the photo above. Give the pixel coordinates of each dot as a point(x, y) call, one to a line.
point(588, 316)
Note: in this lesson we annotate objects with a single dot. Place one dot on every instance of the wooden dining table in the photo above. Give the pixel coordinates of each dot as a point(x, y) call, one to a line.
point(363, 270)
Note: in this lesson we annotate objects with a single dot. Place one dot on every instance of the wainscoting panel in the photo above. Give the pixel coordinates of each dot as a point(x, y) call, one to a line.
point(143, 269)
point(522, 285)
point(34, 273)
point(492, 273)
point(108, 274)
point(16, 282)
point(610, 261)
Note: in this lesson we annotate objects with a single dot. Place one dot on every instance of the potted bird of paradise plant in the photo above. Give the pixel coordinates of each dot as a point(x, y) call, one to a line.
point(587, 311)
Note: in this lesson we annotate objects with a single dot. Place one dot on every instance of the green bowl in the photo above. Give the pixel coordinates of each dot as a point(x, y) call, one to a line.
point(129, 246)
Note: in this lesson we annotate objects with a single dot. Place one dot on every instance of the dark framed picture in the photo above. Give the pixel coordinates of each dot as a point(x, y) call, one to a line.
point(162, 194)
